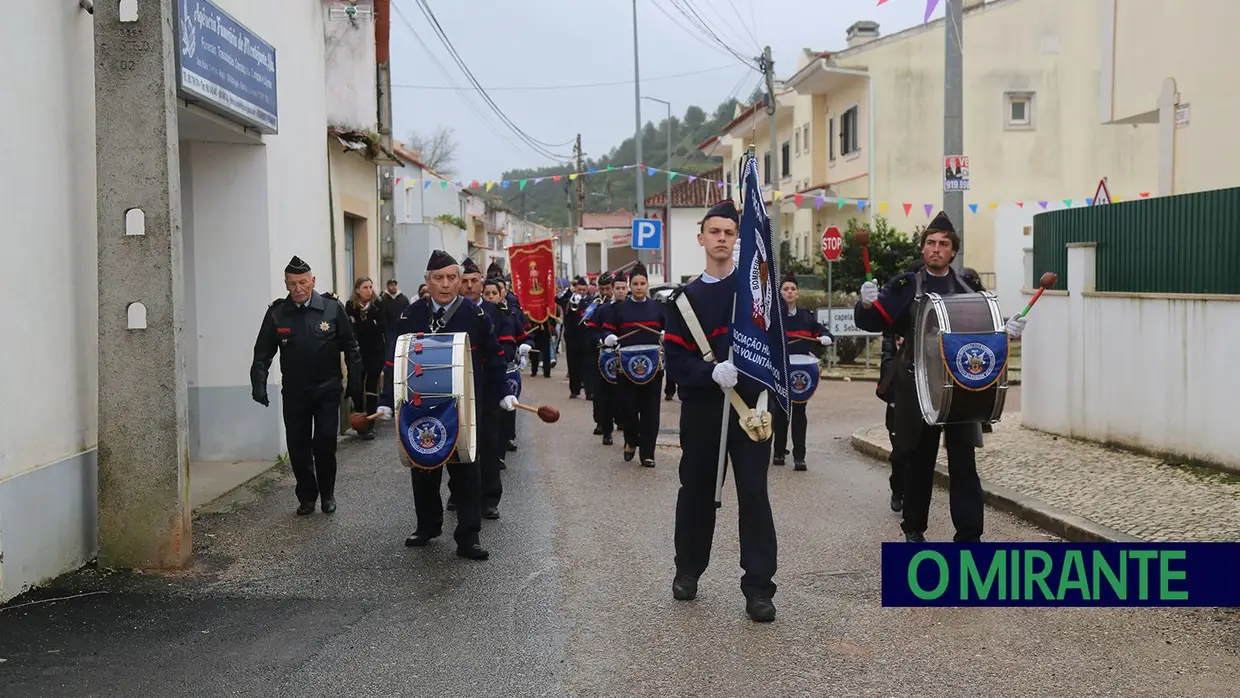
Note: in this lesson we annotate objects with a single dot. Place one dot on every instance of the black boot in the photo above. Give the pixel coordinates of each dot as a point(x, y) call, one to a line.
point(684, 587)
point(760, 609)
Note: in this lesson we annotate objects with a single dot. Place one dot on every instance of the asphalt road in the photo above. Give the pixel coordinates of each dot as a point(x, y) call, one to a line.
point(575, 600)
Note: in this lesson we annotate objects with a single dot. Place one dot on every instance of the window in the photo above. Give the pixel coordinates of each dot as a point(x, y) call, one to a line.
point(798, 141)
point(785, 155)
point(848, 132)
point(1018, 111)
point(805, 138)
point(766, 167)
point(830, 140)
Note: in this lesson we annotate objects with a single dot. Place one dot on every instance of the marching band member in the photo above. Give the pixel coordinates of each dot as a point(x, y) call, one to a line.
point(700, 383)
point(640, 320)
point(517, 345)
point(606, 407)
point(893, 307)
point(490, 420)
point(802, 330)
point(445, 311)
point(574, 301)
point(599, 385)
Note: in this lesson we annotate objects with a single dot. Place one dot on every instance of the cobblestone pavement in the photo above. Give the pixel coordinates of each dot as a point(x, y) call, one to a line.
point(1138, 495)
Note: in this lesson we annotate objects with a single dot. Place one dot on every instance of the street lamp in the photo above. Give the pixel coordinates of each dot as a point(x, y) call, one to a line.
point(667, 219)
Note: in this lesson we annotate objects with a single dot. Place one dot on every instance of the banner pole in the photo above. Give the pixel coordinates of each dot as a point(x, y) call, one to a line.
point(723, 430)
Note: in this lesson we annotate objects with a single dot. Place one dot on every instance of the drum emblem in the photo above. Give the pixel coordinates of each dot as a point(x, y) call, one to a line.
point(640, 366)
point(428, 435)
point(800, 381)
point(975, 361)
point(513, 386)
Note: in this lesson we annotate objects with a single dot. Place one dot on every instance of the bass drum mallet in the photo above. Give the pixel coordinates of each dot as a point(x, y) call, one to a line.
point(1048, 279)
point(546, 413)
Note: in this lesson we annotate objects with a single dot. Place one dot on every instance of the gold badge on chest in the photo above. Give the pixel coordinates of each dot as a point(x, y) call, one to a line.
point(323, 326)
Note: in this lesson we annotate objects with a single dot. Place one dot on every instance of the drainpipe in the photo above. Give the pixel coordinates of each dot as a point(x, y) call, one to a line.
point(383, 78)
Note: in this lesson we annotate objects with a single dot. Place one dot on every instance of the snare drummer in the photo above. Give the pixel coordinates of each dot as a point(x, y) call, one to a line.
point(640, 320)
point(445, 311)
point(803, 331)
point(893, 307)
point(516, 343)
point(603, 393)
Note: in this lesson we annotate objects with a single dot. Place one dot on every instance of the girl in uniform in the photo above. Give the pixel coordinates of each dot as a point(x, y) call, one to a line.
point(804, 331)
point(638, 320)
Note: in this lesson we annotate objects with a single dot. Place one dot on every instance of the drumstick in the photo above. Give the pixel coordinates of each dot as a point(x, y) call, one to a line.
point(863, 239)
point(1048, 279)
point(546, 413)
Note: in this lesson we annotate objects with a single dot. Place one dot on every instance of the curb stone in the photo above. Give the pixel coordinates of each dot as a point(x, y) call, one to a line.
point(1054, 520)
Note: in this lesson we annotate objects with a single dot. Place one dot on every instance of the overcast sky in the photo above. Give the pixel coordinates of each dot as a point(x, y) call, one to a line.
point(537, 43)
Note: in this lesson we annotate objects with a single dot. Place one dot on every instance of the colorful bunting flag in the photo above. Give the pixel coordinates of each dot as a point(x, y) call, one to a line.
point(929, 208)
point(907, 208)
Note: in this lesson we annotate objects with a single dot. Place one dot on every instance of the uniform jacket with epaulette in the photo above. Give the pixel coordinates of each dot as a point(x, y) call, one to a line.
point(309, 339)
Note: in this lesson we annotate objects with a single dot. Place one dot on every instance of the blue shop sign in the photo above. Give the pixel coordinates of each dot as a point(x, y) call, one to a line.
point(225, 67)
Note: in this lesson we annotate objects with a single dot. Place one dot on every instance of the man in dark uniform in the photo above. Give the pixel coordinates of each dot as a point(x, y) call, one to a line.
point(893, 308)
point(700, 383)
point(310, 331)
point(599, 387)
point(489, 413)
point(574, 301)
point(445, 311)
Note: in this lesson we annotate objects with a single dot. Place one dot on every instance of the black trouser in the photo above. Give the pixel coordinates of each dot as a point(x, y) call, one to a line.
point(465, 488)
point(578, 348)
point(310, 423)
point(779, 423)
point(587, 367)
point(604, 404)
point(542, 355)
point(639, 405)
point(490, 451)
point(695, 504)
point(669, 389)
point(898, 457)
point(964, 490)
point(372, 371)
point(508, 427)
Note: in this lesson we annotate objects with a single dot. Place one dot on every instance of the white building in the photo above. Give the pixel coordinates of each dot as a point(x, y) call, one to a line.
point(691, 199)
point(253, 192)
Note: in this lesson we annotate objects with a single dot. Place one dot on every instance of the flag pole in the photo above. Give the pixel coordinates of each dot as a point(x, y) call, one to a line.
point(723, 430)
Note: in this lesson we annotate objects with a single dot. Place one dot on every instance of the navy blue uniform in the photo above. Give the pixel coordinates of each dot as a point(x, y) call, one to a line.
point(576, 340)
point(310, 339)
point(464, 481)
point(893, 311)
point(802, 330)
point(605, 411)
point(510, 331)
point(638, 403)
point(700, 419)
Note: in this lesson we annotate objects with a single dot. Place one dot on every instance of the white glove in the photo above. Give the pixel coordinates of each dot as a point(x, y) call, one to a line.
point(385, 413)
point(509, 403)
point(661, 333)
point(523, 350)
point(611, 341)
point(869, 292)
point(524, 362)
point(825, 341)
point(1015, 326)
point(725, 375)
point(576, 298)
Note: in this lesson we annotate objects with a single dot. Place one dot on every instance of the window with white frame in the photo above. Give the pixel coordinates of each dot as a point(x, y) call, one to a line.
point(785, 155)
point(830, 140)
point(849, 142)
point(1018, 111)
point(805, 138)
point(798, 142)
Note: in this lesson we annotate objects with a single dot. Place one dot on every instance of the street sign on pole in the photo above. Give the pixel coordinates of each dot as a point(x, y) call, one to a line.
point(1102, 195)
point(647, 234)
point(839, 322)
point(832, 244)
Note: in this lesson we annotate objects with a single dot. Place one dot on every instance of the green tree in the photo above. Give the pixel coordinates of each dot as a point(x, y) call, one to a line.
point(694, 118)
point(891, 253)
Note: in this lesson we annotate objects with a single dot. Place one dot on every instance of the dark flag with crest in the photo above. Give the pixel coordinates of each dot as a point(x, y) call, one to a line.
point(759, 348)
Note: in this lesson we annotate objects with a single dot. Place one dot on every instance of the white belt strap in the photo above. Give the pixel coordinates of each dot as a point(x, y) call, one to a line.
point(695, 327)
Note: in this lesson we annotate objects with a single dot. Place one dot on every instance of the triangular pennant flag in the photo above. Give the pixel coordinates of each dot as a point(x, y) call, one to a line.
point(929, 209)
point(776, 195)
point(973, 208)
point(693, 179)
point(1145, 195)
point(474, 184)
point(671, 175)
point(591, 170)
point(719, 185)
point(426, 184)
point(398, 180)
point(993, 205)
point(572, 177)
point(1089, 201)
point(555, 178)
point(880, 2)
point(861, 205)
point(1067, 202)
point(457, 182)
point(1114, 199)
point(538, 179)
point(610, 168)
point(1020, 204)
point(489, 185)
point(650, 171)
point(443, 184)
point(839, 204)
point(504, 184)
point(521, 185)
point(798, 197)
point(882, 207)
point(930, 5)
point(1043, 203)
point(907, 208)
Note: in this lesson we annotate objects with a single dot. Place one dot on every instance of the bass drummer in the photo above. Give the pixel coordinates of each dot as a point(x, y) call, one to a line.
point(894, 308)
point(639, 322)
point(804, 332)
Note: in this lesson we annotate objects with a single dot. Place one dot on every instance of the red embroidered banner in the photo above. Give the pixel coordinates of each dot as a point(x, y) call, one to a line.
point(533, 278)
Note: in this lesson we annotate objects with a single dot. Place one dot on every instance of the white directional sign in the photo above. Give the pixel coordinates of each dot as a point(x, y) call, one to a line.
point(840, 323)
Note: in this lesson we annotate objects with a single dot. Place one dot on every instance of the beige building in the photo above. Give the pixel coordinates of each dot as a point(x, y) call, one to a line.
point(1185, 91)
point(863, 128)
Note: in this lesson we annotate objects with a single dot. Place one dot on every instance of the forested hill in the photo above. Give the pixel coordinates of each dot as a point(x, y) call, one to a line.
point(548, 202)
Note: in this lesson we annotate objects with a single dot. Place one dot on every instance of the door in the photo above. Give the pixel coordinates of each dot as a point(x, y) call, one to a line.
point(350, 228)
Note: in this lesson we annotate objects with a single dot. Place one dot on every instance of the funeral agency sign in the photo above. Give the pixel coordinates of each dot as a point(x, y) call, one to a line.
point(225, 67)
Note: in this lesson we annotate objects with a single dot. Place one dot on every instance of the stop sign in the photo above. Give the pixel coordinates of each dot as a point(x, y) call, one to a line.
point(832, 244)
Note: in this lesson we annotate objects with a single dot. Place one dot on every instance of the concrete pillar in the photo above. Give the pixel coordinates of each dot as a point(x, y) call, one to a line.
point(144, 512)
point(1081, 273)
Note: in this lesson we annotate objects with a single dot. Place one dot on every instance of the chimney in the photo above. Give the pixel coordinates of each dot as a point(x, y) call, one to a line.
point(862, 32)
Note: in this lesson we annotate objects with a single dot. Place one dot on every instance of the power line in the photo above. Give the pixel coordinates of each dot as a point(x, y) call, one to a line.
point(541, 146)
point(572, 87)
point(705, 41)
point(691, 14)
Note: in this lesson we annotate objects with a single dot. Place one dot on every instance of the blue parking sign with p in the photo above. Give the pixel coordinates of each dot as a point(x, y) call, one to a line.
point(647, 233)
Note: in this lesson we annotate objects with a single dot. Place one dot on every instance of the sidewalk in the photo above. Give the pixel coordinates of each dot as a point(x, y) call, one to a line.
point(1085, 491)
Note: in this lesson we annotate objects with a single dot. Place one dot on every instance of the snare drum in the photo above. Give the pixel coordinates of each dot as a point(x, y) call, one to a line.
point(609, 364)
point(960, 358)
point(513, 377)
point(802, 377)
point(640, 363)
point(433, 388)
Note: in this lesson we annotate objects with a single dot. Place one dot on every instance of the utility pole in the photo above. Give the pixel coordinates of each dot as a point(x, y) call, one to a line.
point(637, 133)
point(768, 69)
point(953, 114)
point(383, 77)
point(581, 190)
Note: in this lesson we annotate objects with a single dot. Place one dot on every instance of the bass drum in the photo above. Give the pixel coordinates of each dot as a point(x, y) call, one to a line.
point(960, 358)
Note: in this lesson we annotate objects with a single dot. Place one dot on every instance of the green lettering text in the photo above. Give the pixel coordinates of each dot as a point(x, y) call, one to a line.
point(1102, 568)
point(971, 578)
point(1166, 574)
point(1143, 576)
point(1039, 576)
point(1072, 576)
point(944, 575)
